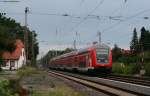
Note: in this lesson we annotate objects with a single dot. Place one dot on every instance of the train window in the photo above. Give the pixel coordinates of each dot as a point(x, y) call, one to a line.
point(76, 59)
point(84, 52)
point(102, 55)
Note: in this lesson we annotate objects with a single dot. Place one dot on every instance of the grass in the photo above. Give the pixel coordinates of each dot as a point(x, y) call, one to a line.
point(8, 87)
point(26, 71)
point(37, 77)
point(127, 69)
point(2, 72)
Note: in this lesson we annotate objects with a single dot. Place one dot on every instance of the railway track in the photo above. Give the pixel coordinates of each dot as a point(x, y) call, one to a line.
point(95, 84)
point(130, 79)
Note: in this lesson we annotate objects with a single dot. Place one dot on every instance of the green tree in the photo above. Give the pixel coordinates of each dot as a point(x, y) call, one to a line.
point(51, 54)
point(10, 30)
point(134, 44)
point(68, 50)
point(145, 39)
point(142, 37)
point(32, 39)
point(116, 51)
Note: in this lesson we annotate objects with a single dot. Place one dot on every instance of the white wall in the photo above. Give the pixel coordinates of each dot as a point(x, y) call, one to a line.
point(18, 63)
point(21, 60)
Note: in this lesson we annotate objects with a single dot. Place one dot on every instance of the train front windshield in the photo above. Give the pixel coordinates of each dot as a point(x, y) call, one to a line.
point(102, 55)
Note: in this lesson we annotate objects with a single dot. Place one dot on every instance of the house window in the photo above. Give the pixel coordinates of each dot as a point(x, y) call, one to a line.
point(2, 64)
point(12, 63)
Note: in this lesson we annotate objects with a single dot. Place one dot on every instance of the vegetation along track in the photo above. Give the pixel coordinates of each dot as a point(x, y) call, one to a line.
point(106, 89)
point(130, 79)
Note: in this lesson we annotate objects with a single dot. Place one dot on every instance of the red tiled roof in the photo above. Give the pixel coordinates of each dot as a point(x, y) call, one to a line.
point(126, 52)
point(16, 53)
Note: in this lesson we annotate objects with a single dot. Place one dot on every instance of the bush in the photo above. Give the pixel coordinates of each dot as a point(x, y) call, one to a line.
point(118, 68)
point(121, 68)
point(7, 88)
point(127, 70)
point(135, 68)
point(147, 56)
point(147, 69)
point(130, 59)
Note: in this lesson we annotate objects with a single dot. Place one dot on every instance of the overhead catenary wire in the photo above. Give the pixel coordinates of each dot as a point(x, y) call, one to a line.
point(82, 1)
point(105, 29)
point(97, 17)
point(9, 1)
point(82, 20)
point(120, 8)
point(120, 21)
point(93, 10)
point(90, 16)
point(64, 15)
point(117, 18)
point(53, 14)
point(126, 19)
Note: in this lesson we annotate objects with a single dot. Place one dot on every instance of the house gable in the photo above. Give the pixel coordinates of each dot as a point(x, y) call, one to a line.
point(15, 58)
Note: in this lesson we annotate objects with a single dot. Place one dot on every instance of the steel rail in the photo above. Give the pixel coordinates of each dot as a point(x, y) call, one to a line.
point(112, 91)
point(129, 79)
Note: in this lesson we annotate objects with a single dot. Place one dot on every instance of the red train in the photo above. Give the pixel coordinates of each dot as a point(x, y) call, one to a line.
point(97, 58)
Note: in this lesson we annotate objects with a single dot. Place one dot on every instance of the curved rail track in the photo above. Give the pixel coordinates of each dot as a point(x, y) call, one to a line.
point(105, 88)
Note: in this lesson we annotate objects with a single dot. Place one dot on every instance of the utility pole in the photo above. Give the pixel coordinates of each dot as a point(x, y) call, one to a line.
point(55, 52)
point(74, 44)
point(99, 36)
point(33, 55)
point(26, 34)
point(57, 41)
point(142, 71)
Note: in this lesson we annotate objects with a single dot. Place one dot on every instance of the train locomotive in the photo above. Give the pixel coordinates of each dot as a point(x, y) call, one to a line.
point(97, 58)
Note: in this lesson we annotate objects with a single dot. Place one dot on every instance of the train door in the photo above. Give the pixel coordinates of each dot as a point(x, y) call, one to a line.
point(83, 61)
point(75, 58)
point(88, 61)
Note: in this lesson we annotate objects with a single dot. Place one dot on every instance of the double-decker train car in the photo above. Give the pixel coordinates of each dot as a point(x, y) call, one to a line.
point(97, 58)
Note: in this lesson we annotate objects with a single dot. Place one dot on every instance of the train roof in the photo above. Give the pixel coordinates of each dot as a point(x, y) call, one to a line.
point(93, 47)
point(65, 55)
point(81, 51)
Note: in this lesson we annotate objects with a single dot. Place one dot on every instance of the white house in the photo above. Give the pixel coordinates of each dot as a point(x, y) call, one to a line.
point(15, 59)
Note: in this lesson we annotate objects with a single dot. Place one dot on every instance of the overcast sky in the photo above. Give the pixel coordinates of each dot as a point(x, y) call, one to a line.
point(59, 22)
